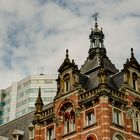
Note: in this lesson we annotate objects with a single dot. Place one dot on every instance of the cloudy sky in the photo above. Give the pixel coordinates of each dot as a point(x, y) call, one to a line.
point(34, 34)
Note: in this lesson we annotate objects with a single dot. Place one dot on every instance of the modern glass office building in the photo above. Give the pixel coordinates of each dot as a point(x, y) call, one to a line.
point(19, 98)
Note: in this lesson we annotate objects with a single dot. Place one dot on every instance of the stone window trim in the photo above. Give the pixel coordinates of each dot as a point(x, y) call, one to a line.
point(66, 79)
point(17, 134)
point(69, 121)
point(67, 116)
point(31, 131)
point(4, 138)
point(70, 133)
point(118, 136)
point(136, 121)
point(117, 117)
point(90, 118)
point(50, 132)
point(91, 136)
point(134, 80)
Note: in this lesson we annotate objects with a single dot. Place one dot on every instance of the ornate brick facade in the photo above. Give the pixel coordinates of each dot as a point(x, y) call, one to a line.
point(97, 102)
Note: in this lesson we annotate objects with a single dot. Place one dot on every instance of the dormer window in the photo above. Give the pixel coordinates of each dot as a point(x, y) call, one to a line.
point(17, 134)
point(66, 82)
point(31, 131)
point(31, 134)
point(134, 80)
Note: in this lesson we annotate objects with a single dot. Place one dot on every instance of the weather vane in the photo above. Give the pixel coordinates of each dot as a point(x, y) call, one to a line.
point(95, 16)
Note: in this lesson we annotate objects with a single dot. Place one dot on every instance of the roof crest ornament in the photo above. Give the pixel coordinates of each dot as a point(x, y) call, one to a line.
point(94, 16)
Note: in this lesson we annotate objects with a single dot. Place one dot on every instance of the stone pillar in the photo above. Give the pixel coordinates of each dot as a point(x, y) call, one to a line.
point(104, 120)
point(58, 132)
point(37, 133)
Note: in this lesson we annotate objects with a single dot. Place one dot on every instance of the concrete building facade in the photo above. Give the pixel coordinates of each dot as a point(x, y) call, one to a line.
point(19, 98)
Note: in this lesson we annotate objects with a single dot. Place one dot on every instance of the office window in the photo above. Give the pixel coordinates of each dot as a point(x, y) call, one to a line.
point(90, 118)
point(46, 90)
point(34, 81)
point(50, 133)
point(7, 102)
point(49, 81)
point(117, 117)
point(34, 90)
point(41, 81)
point(32, 99)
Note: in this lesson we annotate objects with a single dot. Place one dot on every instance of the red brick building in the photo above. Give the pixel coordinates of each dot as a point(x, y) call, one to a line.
point(97, 102)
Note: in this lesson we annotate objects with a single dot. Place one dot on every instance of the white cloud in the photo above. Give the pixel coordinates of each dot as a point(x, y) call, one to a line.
point(35, 34)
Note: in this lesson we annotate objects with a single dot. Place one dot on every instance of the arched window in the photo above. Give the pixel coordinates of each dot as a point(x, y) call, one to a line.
point(134, 80)
point(118, 137)
point(66, 82)
point(68, 115)
point(91, 137)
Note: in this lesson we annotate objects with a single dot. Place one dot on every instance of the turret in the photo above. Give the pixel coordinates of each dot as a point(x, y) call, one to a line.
point(96, 41)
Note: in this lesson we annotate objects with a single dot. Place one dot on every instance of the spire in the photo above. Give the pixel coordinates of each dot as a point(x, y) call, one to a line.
point(39, 103)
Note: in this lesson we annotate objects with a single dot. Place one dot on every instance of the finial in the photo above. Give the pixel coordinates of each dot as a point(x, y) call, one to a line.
point(39, 99)
point(67, 55)
point(73, 61)
point(39, 92)
point(127, 61)
point(132, 53)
